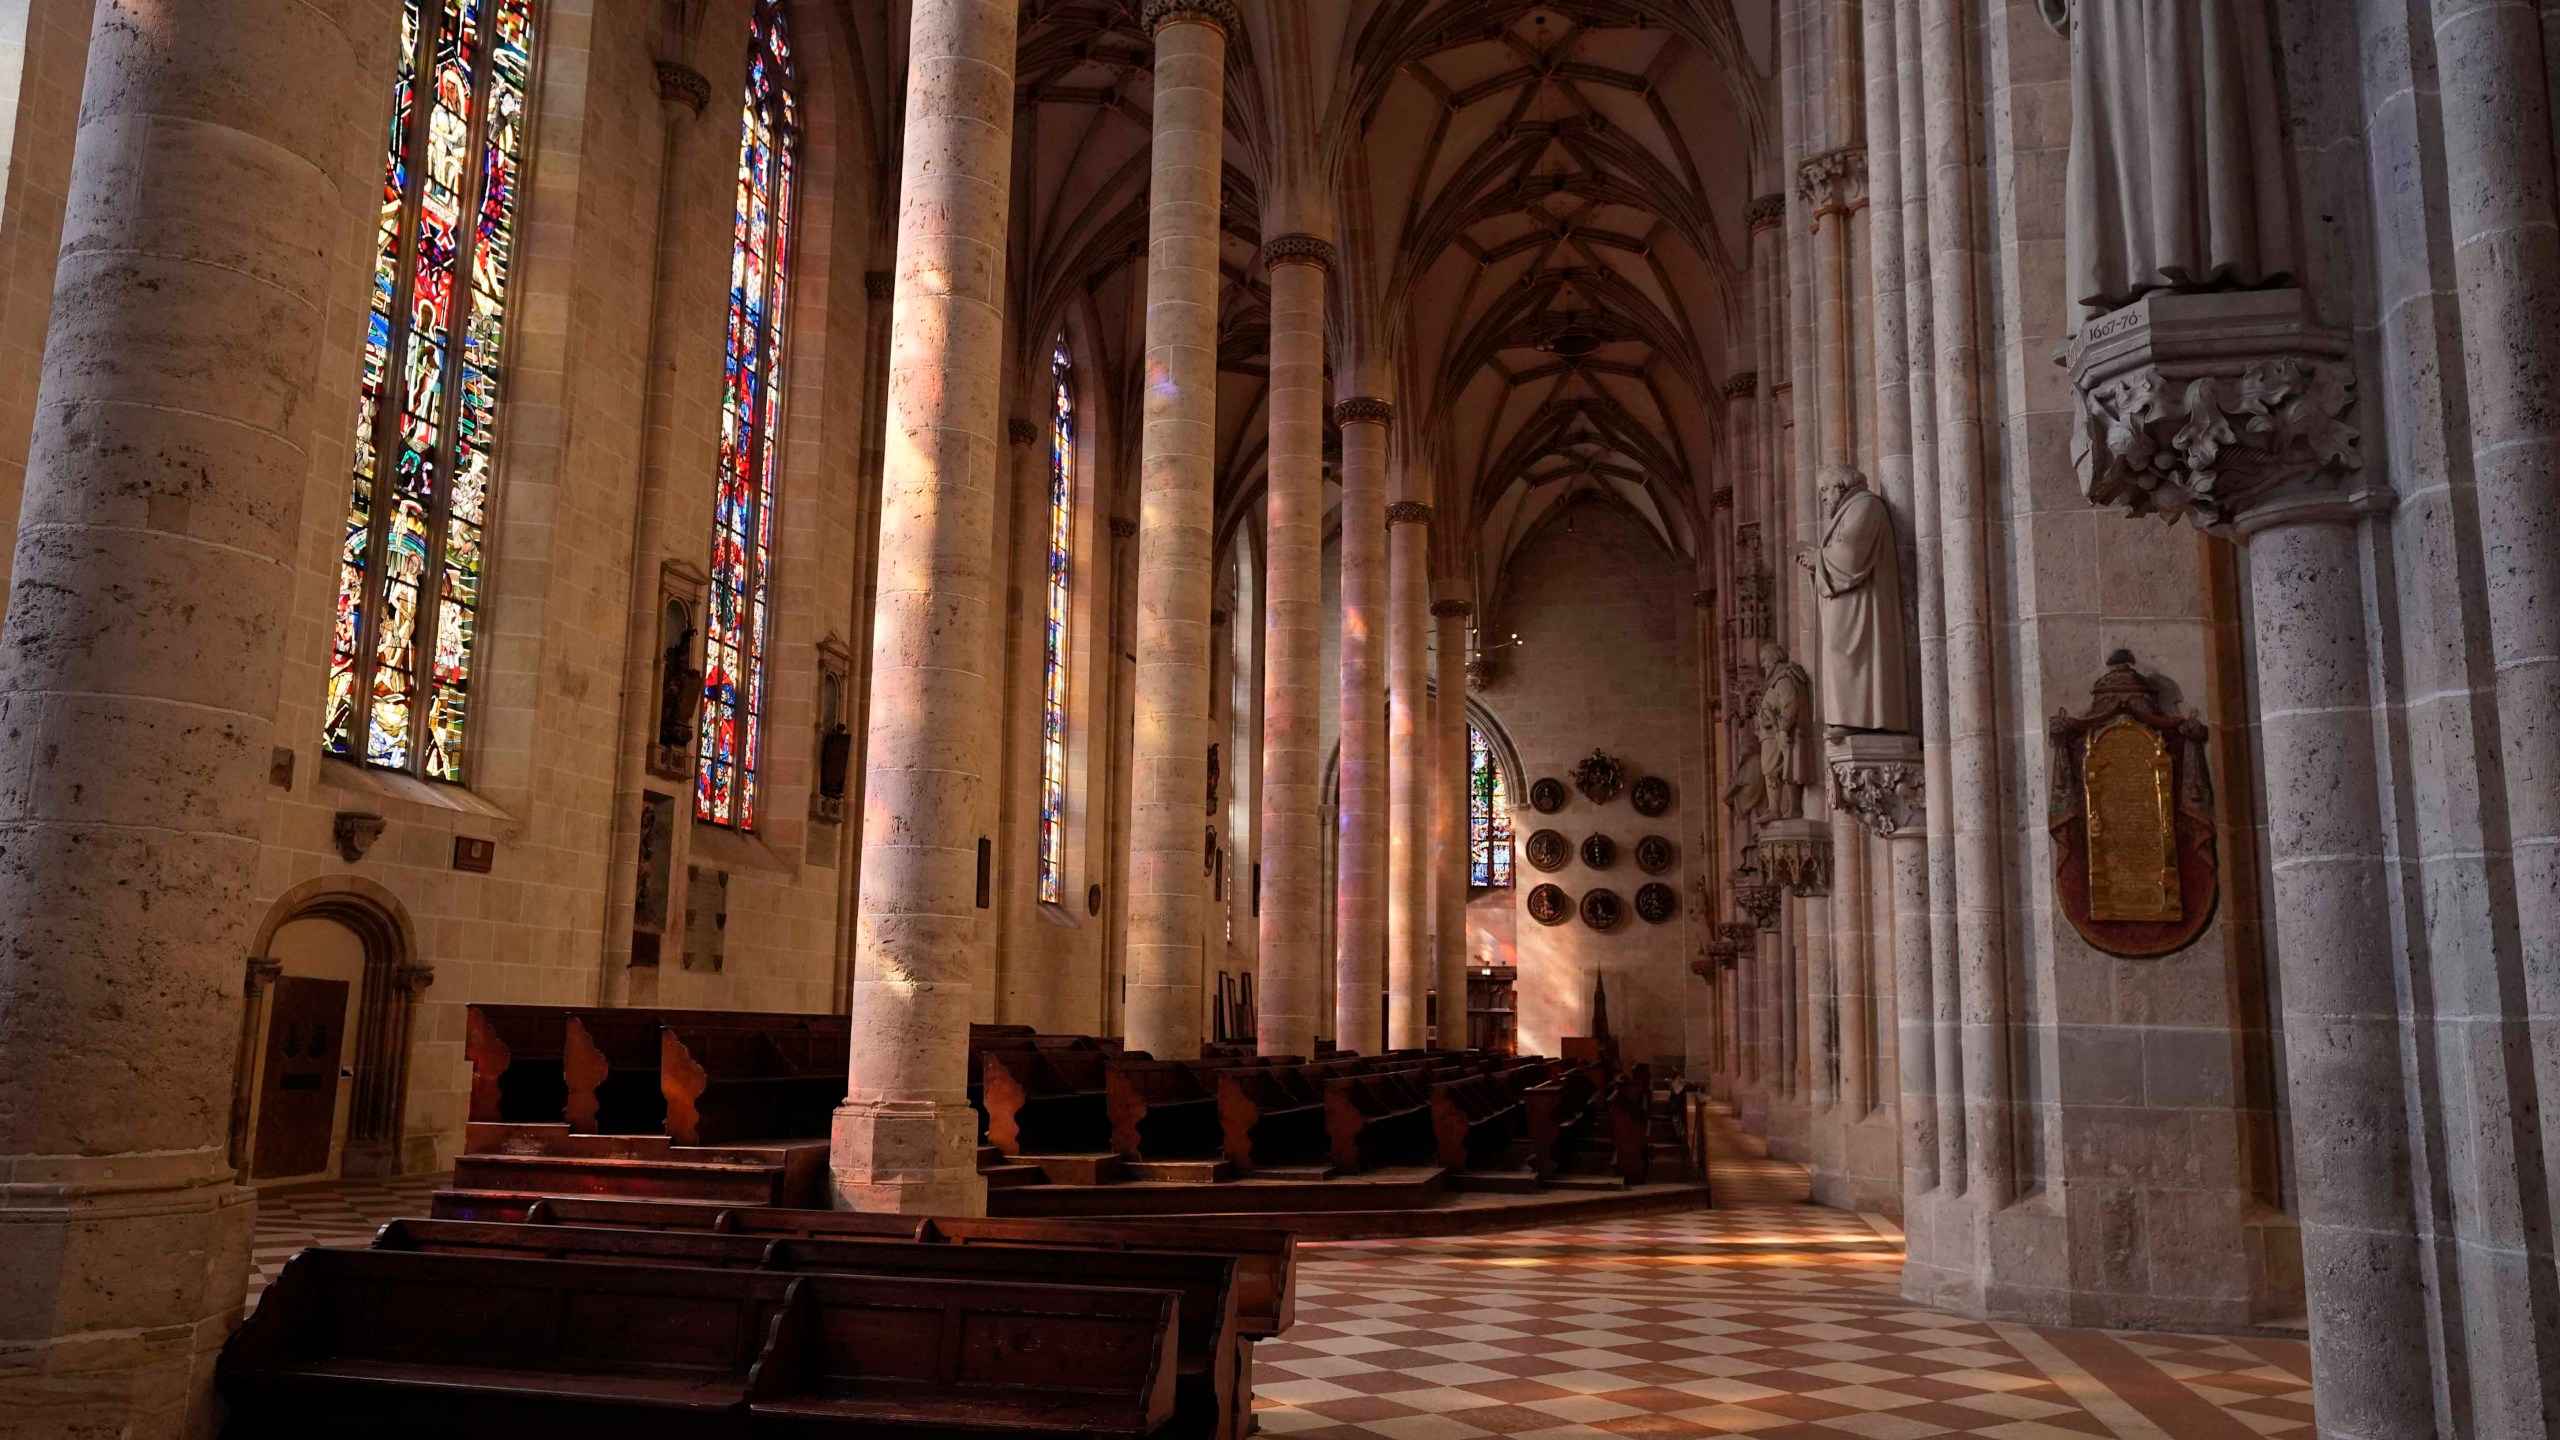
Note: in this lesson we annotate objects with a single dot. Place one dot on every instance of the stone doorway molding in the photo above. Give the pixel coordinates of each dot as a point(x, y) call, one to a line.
point(386, 1010)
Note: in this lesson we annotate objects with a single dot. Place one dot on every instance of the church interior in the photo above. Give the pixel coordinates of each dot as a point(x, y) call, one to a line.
point(1347, 718)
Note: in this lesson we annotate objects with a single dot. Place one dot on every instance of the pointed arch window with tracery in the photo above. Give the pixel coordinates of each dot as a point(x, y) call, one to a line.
point(740, 624)
point(411, 553)
point(1488, 815)
point(1053, 669)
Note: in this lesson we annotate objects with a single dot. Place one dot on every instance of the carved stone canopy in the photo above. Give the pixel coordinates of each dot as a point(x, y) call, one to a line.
point(2232, 408)
point(1877, 779)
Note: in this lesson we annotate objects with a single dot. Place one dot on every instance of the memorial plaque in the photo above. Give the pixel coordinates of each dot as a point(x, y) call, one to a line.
point(2132, 819)
point(2133, 824)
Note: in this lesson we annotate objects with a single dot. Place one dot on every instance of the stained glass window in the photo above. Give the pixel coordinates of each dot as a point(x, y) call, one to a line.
point(1053, 693)
point(1488, 815)
point(741, 618)
point(409, 558)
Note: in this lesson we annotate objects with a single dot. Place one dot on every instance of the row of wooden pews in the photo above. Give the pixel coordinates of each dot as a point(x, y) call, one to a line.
point(528, 1315)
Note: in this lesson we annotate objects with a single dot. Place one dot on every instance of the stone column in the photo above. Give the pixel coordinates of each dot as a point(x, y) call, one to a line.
point(1291, 985)
point(1177, 514)
point(139, 666)
point(1450, 835)
point(905, 1138)
point(1878, 780)
point(2300, 510)
point(1409, 765)
point(1852, 952)
point(1360, 867)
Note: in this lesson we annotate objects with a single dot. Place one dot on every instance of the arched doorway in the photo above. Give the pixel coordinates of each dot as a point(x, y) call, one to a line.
point(324, 1043)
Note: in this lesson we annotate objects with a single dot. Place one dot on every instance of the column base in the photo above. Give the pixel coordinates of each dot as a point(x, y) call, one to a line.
point(120, 1278)
point(906, 1158)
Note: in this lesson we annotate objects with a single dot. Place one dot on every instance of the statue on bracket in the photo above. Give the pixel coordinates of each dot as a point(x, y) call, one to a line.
point(1857, 574)
point(1782, 720)
point(679, 692)
point(2176, 179)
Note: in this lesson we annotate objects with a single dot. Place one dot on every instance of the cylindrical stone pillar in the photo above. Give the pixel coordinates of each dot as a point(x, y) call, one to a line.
point(1915, 1052)
point(1360, 856)
point(1177, 516)
point(1410, 753)
point(905, 1138)
point(1292, 982)
point(155, 562)
point(2365, 1278)
point(1451, 836)
point(1852, 952)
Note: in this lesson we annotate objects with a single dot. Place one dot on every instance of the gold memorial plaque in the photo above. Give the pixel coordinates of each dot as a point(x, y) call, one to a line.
point(2133, 825)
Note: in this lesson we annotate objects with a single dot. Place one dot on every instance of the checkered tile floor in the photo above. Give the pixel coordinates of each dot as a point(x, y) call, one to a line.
point(1767, 1317)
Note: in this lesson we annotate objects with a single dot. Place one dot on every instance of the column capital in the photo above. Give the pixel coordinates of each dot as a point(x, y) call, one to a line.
point(1723, 498)
point(413, 980)
point(1797, 855)
point(1765, 212)
point(1297, 249)
point(681, 84)
point(1447, 609)
point(261, 973)
point(1021, 432)
point(1877, 780)
point(878, 284)
point(1221, 13)
point(1408, 512)
point(1742, 386)
point(1123, 529)
point(1704, 599)
point(1833, 182)
point(2230, 408)
point(1364, 410)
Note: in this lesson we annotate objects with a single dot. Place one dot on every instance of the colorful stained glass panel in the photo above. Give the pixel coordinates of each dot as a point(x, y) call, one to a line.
point(1488, 815)
point(1053, 706)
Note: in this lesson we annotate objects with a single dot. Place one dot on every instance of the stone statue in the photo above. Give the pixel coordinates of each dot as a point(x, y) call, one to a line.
point(1781, 720)
point(679, 691)
point(1857, 572)
point(2177, 173)
point(1748, 793)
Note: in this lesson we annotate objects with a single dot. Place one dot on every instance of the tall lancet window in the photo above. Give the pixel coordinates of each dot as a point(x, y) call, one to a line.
point(741, 619)
point(409, 558)
point(1488, 815)
point(1053, 655)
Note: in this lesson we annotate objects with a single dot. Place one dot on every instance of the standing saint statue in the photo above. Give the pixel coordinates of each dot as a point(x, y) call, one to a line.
point(2177, 173)
point(1857, 573)
point(1781, 720)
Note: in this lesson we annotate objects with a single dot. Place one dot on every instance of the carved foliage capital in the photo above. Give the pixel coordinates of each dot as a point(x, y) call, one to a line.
point(1766, 212)
point(1297, 250)
point(1123, 529)
point(878, 284)
point(1364, 410)
point(1878, 781)
point(1021, 432)
point(1834, 181)
point(1448, 608)
point(1742, 386)
point(681, 84)
point(1408, 512)
point(1221, 13)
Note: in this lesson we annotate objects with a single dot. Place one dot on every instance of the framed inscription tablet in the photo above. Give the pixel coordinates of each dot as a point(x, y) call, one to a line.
point(2132, 819)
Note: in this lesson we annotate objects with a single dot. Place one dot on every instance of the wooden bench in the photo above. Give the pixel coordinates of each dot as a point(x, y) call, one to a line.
point(516, 1054)
point(1210, 1348)
point(1266, 1279)
point(1559, 1114)
point(1473, 1119)
point(1630, 1112)
point(1162, 1109)
point(1271, 1115)
point(727, 1083)
point(1045, 1101)
point(1379, 1119)
point(616, 1059)
point(385, 1343)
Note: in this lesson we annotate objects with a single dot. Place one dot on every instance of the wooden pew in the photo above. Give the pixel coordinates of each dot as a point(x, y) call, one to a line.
point(1271, 1115)
point(1559, 1112)
point(1210, 1347)
point(1266, 1281)
point(389, 1344)
point(1473, 1119)
point(1630, 1111)
point(1379, 1118)
point(728, 1083)
point(516, 1063)
point(616, 1059)
point(1045, 1101)
point(1162, 1109)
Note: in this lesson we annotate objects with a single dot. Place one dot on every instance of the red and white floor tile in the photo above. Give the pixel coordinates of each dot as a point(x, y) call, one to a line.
point(1766, 1317)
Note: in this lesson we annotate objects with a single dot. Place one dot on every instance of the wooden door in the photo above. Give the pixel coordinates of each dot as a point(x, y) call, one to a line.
point(298, 1081)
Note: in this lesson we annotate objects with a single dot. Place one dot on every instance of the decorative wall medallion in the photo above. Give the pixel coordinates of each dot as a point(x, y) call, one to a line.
point(2132, 819)
point(1547, 796)
point(1602, 909)
point(1655, 854)
point(1599, 777)
point(1548, 851)
point(1549, 905)
point(1599, 851)
point(1656, 903)
point(1651, 795)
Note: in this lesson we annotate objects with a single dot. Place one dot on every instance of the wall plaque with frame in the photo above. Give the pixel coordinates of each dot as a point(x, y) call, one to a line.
point(2132, 819)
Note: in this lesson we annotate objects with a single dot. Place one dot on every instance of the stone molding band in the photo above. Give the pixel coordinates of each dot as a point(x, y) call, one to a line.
point(1221, 13)
point(1765, 212)
point(1364, 410)
point(683, 84)
point(1021, 432)
point(1447, 608)
point(1742, 386)
point(1408, 512)
point(1297, 249)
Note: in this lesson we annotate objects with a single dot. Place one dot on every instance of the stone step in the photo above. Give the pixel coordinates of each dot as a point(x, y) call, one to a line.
point(1012, 1177)
point(738, 1184)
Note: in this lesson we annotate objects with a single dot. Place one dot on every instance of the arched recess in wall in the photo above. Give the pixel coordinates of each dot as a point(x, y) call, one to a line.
point(373, 1047)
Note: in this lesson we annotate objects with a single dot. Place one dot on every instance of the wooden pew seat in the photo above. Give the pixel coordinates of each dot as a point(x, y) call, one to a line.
point(1045, 1101)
